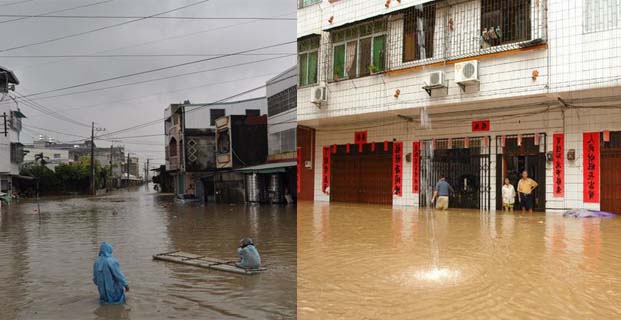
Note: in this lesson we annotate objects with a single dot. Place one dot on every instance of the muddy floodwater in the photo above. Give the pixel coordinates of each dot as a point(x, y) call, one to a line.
point(46, 259)
point(367, 262)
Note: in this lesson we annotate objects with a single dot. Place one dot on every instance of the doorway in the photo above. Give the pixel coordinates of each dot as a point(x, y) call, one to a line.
point(361, 177)
point(514, 158)
point(611, 174)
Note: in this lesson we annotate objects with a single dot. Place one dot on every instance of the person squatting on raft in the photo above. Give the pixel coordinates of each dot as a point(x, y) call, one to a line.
point(248, 255)
point(108, 277)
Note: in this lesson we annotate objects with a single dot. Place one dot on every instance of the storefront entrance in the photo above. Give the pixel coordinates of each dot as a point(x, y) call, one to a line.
point(466, 165)
point(514, 157)
point(611, 174)
point(361, 177)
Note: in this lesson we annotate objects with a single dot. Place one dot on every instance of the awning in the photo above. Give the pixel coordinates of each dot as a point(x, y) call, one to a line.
point(19, 114)
point(276, 167)
point(23, 177)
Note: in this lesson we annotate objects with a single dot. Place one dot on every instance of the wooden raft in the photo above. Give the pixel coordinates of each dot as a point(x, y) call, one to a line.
point(204, 262)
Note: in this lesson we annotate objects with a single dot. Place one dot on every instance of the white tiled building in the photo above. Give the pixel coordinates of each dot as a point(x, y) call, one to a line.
point(11, 149)
point(547, 67)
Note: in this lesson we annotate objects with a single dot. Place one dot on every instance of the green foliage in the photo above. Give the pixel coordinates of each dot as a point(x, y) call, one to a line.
point(73, 177)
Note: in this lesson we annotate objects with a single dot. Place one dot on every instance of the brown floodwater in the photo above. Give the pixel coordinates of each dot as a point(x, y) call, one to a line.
point(370, 262)
point(46, 259)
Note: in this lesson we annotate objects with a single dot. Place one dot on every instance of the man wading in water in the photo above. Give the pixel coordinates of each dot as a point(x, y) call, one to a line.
point(525, 192)
point(108, 277)
point(441, 195)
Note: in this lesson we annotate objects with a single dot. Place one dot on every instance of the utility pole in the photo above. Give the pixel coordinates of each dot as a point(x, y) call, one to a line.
point(93, 188)
point(6, 129)
point(146, 173)
point(128, 161)
point(110, 179)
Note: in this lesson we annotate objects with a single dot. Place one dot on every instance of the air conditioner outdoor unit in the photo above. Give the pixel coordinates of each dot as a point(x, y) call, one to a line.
point(467, 72)
point(435, 80)
point(319, 95)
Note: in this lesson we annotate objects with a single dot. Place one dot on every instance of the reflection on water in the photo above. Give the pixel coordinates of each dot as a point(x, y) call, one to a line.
point(371, 262)
point(46, 259)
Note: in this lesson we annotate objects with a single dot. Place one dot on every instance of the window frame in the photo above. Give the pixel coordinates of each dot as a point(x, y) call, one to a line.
point(505, 20)
point(429, 10)
point(312, 2)
point(314, 43)
point(358, 39)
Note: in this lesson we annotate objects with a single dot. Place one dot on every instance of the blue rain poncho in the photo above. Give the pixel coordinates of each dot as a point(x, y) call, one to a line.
point(249, 256)
point(108, 277)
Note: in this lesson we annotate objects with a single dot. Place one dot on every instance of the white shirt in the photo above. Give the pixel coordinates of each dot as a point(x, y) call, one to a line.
point(508, 193)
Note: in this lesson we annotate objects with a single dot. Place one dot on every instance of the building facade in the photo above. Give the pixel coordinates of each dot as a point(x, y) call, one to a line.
point(190, 131)
point(11, 149)
point(398, 93)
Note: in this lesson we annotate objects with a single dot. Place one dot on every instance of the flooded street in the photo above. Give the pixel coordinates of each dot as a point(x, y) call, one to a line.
point(369, 262)
point(46, 259)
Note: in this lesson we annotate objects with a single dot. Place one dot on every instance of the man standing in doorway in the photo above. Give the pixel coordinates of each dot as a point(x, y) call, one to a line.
point(441, 195)
point(526, 186)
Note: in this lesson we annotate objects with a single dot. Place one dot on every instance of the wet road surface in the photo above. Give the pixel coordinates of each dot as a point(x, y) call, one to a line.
point(46, 259)
point(370, 262)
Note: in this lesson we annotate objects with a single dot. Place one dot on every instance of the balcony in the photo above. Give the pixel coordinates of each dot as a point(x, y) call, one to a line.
point(436, 32)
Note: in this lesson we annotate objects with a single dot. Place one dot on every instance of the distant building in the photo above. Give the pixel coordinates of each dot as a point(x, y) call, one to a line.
point(275, 180)
point(11, 149)
point(190, 131)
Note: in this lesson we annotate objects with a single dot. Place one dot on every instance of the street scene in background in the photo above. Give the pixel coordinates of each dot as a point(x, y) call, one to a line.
point(148, 161)
point(458, 159)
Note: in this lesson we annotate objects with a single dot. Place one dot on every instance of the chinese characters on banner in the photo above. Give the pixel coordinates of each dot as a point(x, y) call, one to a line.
point(360, 137)
point(481, 125)
point(416, 167)
point(558, 164)
point(590, 145)
point(325, 169)
point(299, 169)
point(397, 168)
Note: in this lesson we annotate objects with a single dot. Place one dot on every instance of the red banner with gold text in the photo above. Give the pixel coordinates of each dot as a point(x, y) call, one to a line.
point(590, 145)
point(558, 159)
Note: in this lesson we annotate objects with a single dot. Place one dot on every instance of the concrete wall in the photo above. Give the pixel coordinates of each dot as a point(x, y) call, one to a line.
point(198, 116)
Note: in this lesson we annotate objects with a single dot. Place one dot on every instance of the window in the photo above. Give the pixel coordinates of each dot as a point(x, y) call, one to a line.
point(504, 21)
point(172, 147)
point(56, 155)
point(308, 53)
point(418, 32)
point(215, 114)
point(17, 153)
point(600, 15)
point(306, 3)
point(253, 112)
point(282, 101)
point(359, 50)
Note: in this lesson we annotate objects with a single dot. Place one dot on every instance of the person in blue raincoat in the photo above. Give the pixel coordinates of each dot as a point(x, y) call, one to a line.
point(249, 257)
point(108, 277)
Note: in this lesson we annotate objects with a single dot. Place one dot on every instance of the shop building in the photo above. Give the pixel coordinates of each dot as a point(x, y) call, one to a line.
point(398, 93)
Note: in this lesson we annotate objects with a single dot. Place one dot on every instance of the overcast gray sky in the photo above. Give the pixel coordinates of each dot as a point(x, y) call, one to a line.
point(128, 105)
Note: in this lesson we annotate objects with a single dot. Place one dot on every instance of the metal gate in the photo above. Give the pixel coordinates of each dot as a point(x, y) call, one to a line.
point(466, 164)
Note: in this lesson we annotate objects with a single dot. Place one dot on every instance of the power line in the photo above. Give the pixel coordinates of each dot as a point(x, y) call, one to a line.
point(159, 93)
point(57, 11)
point(146, 124)
point(45, 110)
point(101, 28)
point(46, 16)
point(183, 35)
point(14, 3)
point(140, 55)
point(159, 69)
point(159, 79)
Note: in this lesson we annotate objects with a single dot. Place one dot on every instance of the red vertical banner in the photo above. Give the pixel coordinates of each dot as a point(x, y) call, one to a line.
point(416, 167)
point(590, 145)
point(299, 173)
point(325, 169)
point(558, 168)
point(360, 137)
point(397, 168)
